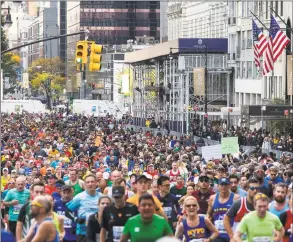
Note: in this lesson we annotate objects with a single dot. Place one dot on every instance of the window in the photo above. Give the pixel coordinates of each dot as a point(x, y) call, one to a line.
point(276, 6)
point(281, 8)
point(249, 39)
point(265, 87)
point(238, 72)
point(255, 8)
point(249, 69)
point(280, 87)
point(256, 71)
point(243, 40)
point(244, 72)
point(267, 9)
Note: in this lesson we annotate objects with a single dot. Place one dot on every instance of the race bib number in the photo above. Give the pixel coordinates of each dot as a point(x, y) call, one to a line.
point(220, 226)
point(168, 211)
point(261, 239)
point(97, 237)
point(117, 233)
point(67, 223)
point(16, 208)
point(196, 240)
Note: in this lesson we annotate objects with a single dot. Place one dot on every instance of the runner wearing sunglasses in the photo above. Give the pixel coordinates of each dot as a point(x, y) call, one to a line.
point(219, 204)
point(260, 225)
point(195, 227)
point(203, 194)
point(241, 207)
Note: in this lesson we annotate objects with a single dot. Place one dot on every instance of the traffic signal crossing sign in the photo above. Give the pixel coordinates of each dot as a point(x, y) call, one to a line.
point(95, 58)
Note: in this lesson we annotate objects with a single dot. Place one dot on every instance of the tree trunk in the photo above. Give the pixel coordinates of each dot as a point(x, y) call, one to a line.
point(48, 99)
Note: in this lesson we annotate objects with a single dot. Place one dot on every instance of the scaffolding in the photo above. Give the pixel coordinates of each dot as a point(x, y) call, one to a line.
point(164, 89)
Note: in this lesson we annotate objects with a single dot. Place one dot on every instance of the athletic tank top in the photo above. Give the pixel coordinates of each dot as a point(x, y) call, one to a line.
point(77, 189)
point(287, 226)
point(56, 239)
point(273, 210)
point(195, 234)
point(219, 210)
point(173, 176)
point(240, 214)
point(56, 221)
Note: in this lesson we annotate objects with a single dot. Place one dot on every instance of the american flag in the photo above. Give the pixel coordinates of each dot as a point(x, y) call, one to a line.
point(268, 62)
point(280, 40)
point(256, 55)
point(259, 36)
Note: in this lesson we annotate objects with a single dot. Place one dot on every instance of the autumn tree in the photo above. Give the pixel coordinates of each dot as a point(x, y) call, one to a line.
point(47, 76)
point(9, 61)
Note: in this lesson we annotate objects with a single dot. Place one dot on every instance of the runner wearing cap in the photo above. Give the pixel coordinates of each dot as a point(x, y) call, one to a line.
point(142, 187)
point(241, 207)
point(51, 186)
point(115, 216)
point(5, 177)
point(260, 225)
point(219, 204)
point(204, 193)
point(61, 209)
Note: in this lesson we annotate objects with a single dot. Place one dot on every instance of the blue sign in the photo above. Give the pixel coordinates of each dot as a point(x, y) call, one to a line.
point(18, 74)
point(202, 45)
point(94, 108)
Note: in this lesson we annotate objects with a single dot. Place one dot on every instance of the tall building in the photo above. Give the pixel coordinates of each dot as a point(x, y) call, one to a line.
point(196, 19)
point(110, 23)
point(45, 25)
point(62, 22)
point(251, 87)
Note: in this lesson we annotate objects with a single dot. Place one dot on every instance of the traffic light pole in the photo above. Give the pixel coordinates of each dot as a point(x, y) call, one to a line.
point(84, 80)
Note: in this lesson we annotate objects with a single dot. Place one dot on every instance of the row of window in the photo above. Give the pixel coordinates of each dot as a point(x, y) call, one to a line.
point(262, 8)
point(114, 40)
point(246, 70)
point(273, 87)
point(113, 23)
point(120, 16)
point(120, 4)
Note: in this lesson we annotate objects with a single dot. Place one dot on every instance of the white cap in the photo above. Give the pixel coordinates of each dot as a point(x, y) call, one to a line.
point(106, 175)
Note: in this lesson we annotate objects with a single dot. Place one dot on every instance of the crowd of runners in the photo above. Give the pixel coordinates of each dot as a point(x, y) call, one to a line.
point(90, 179)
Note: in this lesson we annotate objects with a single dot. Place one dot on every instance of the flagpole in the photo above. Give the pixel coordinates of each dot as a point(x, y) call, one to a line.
point(260, 21)
point(287, 27)
point(272, 86)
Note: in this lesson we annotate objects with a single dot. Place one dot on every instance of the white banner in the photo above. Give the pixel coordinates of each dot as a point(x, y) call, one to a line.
point(212, 152)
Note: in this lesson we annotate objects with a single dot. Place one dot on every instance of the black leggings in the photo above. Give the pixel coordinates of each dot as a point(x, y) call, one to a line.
point(12, 227)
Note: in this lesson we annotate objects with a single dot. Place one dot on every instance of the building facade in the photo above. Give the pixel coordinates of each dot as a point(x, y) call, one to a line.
point(203, 19)
point(251, 87)
point(45, 25)
point(233, 20)
point(112, 24)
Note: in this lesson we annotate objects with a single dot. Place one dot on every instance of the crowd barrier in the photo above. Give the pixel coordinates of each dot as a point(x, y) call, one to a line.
point(207, 142)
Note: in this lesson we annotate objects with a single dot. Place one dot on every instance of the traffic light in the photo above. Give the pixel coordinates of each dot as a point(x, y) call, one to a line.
point(81, 52)
point(95, 57)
